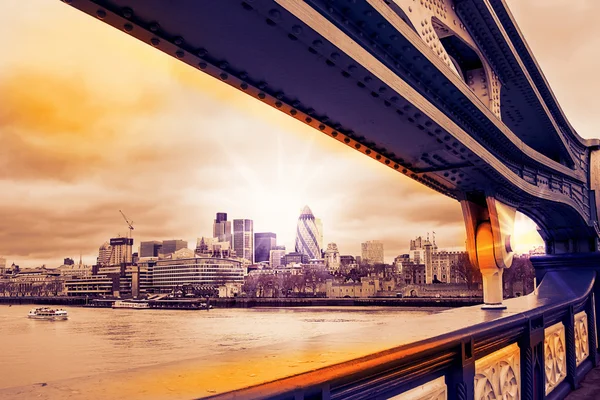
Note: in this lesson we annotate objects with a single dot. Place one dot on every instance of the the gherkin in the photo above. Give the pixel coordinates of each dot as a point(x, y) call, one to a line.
point(307, 235)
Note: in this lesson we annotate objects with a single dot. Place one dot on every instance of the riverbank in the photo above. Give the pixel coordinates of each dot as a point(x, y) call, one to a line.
point(258, 302)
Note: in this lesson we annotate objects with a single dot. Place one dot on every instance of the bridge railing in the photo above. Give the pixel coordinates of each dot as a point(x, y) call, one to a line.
point(540, 347)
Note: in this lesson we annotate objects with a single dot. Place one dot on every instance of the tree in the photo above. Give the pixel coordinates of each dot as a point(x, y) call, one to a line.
point(313, 277)
point(250, 285)
point(521, 271)
point(411, 269)
point(466, 272)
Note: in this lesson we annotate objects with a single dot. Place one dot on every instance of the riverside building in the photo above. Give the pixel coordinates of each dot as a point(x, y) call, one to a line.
point(199, 270)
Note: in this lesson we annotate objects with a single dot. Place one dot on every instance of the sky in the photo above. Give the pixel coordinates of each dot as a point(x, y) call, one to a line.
point(93, 121)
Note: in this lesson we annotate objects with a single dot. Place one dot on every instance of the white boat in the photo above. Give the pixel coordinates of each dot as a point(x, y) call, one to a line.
point(48, 314)
point(130, 304)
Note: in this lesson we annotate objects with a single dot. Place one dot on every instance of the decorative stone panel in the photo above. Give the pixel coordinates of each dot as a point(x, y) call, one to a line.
point(555, 356)
point(432, 390)
point(498, 375)
point(582, 345)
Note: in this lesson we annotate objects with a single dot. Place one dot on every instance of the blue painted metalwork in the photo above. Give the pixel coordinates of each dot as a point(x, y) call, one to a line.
point(359, 72)
point(442, 138)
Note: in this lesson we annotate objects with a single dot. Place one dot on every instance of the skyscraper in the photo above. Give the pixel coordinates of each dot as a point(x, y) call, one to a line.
point(150, 249)
point(275, 256)
point(307, 235)
point(243, 238)
point(222, 228)
point(264, 242)
point(121, 249)
point(171, 246)
point(104, 254)
point(372, 252)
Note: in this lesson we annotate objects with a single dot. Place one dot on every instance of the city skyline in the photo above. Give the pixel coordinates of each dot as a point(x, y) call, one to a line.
point(78, 147)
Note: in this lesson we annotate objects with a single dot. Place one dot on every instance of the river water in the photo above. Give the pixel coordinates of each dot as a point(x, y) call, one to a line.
point(97, 341)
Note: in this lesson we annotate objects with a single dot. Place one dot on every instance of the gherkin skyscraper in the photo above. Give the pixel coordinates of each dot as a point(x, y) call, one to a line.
point(307, 235)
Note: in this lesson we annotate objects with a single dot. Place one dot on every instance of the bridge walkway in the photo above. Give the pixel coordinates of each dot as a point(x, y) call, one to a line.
point(590, 387)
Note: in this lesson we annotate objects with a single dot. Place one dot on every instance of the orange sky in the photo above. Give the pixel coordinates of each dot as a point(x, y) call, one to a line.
point(93, 121)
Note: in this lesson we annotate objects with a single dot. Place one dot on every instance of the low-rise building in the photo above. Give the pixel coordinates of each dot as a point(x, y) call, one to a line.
point(94, 286)
point(365, 287)
point(196, 271)
point(294, 258)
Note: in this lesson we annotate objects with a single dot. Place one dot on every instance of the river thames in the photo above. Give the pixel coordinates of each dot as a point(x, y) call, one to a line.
point(97, 341)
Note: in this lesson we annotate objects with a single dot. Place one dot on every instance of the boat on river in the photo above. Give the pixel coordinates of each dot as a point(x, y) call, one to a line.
point(131, 304)
point(48, 314)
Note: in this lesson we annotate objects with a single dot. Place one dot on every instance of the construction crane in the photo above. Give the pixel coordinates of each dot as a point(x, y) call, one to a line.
point(129, 223)
point(124, 255)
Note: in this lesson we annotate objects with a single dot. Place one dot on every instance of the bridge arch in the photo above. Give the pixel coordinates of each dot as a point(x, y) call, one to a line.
point(470, 65)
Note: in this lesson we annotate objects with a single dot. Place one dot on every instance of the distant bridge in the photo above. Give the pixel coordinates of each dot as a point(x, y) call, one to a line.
point(449, 94)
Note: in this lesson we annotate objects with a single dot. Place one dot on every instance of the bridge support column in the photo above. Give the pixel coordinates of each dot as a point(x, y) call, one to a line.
point(489, 225)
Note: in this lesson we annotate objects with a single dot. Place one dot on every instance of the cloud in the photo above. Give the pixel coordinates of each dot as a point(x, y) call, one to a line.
point(106, 123)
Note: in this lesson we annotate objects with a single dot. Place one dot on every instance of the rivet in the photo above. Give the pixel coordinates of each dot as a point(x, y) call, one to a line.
point(317, 43)
point(244, 86)
point(321, 127)
point(178, 40)
point(224, 65)
point(155, 42)
point(243, 75)
point(261, 95)
point(127, 12)
point(154, 27)
point(279, 95)
point(387, 162)
point(352, 68)
point(293, 112)
point(201, 65)
point(128, 27)
point(278, 104)
point(396, 166)
point(334, 134)
point(101, 14)
point(262, 85)
point(346, 140)
point(297, 29)
point(368, 151)
point(274, 14)
point(335, 56)
point(201, 52)
point(296, 104)
point(308, 119)
point(357, 145)
point(378, 157)
point(223, 76)
point(179, 54)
